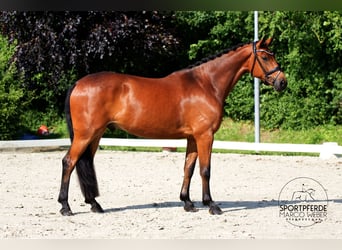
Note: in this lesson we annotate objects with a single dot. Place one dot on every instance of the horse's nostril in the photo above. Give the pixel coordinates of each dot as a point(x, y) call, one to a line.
point(283, 83)
point(280, 85)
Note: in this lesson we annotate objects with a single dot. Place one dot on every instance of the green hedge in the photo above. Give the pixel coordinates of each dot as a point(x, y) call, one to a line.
point(11, 93)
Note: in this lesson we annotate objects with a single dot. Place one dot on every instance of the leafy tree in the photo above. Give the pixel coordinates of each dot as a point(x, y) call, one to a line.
point(55, 48)
point(11, 93)
point(215, 30)
point(310, 47)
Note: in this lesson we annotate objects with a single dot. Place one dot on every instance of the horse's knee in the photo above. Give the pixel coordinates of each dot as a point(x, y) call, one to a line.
point(205, 173)
point(66, 162)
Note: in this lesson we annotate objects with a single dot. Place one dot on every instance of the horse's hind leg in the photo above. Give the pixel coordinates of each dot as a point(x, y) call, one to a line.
point(69, 162)
point(64, 190)
point(190, 161)
point(87, 176)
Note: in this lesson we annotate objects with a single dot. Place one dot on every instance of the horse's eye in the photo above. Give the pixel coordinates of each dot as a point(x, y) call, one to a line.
point(265, 58)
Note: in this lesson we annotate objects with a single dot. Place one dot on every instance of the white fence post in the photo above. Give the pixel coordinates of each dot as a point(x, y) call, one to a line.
point(329, 150)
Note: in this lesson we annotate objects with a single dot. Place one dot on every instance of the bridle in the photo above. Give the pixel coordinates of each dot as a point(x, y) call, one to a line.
point(256, 58)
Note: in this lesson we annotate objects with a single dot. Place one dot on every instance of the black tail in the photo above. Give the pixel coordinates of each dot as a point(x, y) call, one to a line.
point(67, 112)
point(85, 164)
point(87, 176)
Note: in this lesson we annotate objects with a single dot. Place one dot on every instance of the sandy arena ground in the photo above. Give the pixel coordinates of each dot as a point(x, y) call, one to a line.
point(139, 192)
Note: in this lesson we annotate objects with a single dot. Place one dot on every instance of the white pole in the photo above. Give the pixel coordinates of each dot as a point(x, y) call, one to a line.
point(256, 89)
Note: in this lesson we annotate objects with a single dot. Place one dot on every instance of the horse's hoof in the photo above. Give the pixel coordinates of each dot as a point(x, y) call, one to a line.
point(66, 212)
point(96, 208)
point(215, 210)
point(189, 207)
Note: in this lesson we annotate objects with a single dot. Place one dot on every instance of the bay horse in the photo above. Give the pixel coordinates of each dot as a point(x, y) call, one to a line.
point(184, 104)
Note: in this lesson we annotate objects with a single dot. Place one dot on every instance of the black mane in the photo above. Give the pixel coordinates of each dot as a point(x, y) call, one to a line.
point(212, 57)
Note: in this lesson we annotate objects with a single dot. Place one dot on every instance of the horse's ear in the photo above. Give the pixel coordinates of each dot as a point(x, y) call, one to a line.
point(262, 40)
point(266, 43)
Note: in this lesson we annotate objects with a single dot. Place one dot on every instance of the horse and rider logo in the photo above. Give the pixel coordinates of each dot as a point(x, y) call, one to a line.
point(303, 202)
point(304, 194)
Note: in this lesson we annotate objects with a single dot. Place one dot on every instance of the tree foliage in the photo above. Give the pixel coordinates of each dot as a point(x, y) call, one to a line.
point(54, 49)
point(310, 45)
point(11, 93)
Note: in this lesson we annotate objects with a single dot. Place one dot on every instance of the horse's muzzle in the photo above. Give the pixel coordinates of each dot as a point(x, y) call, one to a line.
point(280, 84)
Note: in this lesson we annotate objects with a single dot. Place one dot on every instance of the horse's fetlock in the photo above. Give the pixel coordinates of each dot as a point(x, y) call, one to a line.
point(207, 201)
point(184, 196)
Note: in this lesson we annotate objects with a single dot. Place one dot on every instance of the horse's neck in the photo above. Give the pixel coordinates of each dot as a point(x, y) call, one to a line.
point(224, 72)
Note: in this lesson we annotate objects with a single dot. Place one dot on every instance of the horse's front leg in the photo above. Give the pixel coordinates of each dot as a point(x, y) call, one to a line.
point(204, 147)
point(190, 161)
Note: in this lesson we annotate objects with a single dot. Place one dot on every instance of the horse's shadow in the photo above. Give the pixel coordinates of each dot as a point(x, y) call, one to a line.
point(226, 206)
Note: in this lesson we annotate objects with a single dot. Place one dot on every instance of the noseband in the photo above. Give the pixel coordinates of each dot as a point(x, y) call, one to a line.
point(256, 58)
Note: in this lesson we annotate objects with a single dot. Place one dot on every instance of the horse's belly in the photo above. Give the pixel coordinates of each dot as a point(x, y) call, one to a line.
point(155, 130)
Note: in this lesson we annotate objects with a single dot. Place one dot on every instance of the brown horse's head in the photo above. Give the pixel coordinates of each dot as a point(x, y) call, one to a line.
point(265, 67)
